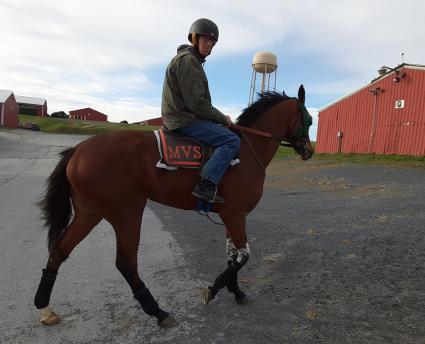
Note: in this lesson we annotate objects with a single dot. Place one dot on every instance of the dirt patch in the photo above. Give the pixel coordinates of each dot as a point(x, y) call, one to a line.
point(337, 256)
point(292, 174)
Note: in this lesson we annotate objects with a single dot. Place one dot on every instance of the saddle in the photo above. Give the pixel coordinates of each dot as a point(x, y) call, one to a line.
point(176, 151)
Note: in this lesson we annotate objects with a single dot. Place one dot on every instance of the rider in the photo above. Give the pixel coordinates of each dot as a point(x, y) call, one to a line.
point(186, 107)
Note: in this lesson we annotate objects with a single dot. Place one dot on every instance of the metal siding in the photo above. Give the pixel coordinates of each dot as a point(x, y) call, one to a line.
point(384, 130)
point(10, 112)
point(352, 117)
point(384, 101)
point(363, 123)
point(409, 121)
point(325, 130)
point(417, 109)
point(155, 121)
point(94, 116)
point(88, 114)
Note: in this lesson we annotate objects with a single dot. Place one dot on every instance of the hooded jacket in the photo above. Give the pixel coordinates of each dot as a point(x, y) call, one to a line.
point(186, 96)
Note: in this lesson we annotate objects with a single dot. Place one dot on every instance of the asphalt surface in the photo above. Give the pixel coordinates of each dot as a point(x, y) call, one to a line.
point(337, 256)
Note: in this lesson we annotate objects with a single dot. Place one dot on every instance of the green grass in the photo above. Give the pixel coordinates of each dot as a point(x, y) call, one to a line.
point(284, 152)
point(72, 126)
point(393, 160)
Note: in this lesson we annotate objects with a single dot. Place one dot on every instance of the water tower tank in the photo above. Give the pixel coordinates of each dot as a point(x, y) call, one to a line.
point(264, 62)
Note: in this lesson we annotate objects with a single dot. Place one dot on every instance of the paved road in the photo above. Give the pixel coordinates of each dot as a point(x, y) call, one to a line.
point(95, 302)
point(337, 257)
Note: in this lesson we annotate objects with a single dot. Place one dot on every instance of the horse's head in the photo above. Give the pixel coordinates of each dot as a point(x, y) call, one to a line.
point(299, 138)
point(281, 118)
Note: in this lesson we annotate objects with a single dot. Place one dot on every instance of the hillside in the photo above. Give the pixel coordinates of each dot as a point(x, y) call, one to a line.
point(71, 126)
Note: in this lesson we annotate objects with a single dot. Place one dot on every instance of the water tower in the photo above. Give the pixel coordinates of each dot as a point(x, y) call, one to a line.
point(265, 64)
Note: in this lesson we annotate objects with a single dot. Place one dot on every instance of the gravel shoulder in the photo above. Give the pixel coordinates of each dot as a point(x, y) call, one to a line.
point(337, 256)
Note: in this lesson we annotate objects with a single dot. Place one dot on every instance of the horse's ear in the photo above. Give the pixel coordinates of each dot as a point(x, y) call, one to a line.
point(284, 94)
point(301, 94)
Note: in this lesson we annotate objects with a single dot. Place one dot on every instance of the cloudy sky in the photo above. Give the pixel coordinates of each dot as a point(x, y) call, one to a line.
point(111, 55)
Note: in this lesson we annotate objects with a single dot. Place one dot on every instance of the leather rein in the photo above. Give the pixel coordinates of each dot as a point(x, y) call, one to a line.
point(283, 141)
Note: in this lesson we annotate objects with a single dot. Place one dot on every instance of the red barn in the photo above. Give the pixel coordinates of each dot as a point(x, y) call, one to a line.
point(153, 121)
point(32, 106)
point(8, 109)
point(386, 116)
point(88, 114)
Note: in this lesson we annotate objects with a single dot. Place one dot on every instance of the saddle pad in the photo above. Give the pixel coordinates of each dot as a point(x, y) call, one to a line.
point(176, 151)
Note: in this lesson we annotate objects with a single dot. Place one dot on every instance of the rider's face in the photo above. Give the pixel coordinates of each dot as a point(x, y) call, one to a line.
point(206, 44)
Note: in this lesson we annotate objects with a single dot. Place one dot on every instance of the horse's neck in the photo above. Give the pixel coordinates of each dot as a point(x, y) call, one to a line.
point(278, 120)
point(267, 147)
point(264, 148)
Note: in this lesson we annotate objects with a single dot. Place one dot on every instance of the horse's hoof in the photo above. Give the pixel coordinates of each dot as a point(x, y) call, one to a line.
point(49, 318)
point(207, 294)
point(244, 300)
point(168, 322)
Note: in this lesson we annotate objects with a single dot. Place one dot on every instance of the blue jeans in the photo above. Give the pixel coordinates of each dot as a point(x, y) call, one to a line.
point(225, 144)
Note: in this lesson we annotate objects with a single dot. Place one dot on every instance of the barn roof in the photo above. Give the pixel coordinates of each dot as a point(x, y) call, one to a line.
point(30, 100)
point(403, 65)
point(4, 94)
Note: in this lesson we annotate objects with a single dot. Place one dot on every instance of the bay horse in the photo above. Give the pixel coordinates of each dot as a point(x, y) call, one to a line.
point(111, 176)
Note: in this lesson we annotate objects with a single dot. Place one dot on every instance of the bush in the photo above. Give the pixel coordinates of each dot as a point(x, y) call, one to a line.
point(59, 114)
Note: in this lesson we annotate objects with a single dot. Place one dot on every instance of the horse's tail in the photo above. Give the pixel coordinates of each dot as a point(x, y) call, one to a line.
point(56, 203)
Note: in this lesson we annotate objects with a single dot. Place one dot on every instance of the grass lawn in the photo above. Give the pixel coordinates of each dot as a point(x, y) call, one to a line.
point(73, 126)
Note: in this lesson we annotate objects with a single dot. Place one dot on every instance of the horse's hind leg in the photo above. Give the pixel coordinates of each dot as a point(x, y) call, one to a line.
point(237, 250)
point(80, 226)
point(128, 237)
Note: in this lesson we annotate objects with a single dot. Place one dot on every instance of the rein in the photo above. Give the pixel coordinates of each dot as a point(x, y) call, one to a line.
point(260, 163)
point(266, 134)
point(261, 133)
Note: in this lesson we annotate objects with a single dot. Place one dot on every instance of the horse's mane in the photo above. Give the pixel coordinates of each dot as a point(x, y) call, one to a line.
point(266, 101)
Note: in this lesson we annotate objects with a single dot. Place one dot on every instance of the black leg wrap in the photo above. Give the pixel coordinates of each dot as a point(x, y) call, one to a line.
point(232, 283)
point(42, 297)
point(149, 305)
point(228, 276)
point(222, 279)
point(234, 265)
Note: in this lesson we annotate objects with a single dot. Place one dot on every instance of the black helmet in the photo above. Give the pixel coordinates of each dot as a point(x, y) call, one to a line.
point(205, 27)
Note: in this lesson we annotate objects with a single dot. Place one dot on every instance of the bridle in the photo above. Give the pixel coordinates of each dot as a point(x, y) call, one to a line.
point(298, 141)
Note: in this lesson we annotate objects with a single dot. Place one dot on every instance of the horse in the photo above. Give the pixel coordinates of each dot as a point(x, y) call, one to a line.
point(111, 176)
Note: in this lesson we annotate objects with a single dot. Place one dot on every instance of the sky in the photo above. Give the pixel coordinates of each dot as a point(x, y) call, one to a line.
point(112, 55)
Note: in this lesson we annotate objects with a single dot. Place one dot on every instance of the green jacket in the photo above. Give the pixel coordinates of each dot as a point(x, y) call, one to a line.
point(186, 96)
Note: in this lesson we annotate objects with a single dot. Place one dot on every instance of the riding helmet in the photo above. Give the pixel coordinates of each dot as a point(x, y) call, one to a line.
point(205, 27)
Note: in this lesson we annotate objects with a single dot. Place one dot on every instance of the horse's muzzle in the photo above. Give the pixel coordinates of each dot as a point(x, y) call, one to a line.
point(308, 151)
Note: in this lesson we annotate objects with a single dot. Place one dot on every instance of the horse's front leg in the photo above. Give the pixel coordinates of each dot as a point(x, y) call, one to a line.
point(233, 264)
point(237, 251)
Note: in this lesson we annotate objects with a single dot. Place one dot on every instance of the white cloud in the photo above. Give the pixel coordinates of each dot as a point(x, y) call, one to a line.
point(100, 53)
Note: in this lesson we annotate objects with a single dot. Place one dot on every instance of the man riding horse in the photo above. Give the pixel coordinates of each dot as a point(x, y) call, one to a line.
point(88, 185)
point(186, 107)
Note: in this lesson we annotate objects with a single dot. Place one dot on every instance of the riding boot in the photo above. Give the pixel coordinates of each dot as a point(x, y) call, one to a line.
point(207, 190)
